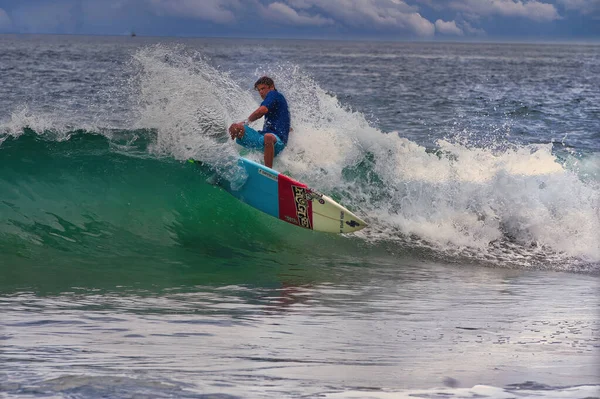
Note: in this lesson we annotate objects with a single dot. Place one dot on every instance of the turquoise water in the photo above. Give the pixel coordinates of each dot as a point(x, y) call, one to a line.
point(85, 213)
point(125, 273)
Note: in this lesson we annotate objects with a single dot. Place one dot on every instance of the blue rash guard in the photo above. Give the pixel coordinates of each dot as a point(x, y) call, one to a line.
point(277, 120)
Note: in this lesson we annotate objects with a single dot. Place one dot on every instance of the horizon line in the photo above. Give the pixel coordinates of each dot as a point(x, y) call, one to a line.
point(496, 40)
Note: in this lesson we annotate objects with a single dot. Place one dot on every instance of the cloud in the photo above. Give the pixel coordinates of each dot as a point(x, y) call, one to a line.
point(55, 17)
point(448, 28)
point(370, 15)
point(219, 11)
point(469, 29)
point(585, 7)
point(5, 22)
point(282, 13)
point(351, 18)
point(532, 9)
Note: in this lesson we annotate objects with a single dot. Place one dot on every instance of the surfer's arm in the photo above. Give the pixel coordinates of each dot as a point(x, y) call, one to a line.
point(236, 130)
point(256, 115)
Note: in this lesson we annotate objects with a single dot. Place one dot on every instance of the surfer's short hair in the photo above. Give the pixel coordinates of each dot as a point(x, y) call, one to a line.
point(265, 80)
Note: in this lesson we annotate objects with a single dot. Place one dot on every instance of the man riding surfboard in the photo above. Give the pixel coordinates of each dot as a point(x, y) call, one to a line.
point(274, 136)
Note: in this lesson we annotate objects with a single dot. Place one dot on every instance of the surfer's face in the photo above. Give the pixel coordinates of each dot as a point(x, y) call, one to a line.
point(263, 90)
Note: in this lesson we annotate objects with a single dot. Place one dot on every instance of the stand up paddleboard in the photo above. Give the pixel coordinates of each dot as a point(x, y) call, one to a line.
point(291, 201)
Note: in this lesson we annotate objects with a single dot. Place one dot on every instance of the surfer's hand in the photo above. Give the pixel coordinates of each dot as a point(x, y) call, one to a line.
point(236, 131)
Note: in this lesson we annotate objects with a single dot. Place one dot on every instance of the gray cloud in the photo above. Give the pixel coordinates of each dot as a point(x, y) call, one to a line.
point(448, 28)
point(532, 9)
point(219, 11)
point(367, 15)
point(282, 14)
point(351, 18)
point(471, 30)
point(374, 15)
point(5, 21)
point(586, 7)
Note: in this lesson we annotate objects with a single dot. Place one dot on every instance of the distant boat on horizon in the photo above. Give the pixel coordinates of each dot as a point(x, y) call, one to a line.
point(133, 34)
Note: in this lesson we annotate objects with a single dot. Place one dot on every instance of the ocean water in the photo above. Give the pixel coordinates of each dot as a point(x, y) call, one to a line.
point(124, 273)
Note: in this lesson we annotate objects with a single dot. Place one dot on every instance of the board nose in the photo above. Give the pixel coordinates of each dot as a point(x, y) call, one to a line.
point(353, 223)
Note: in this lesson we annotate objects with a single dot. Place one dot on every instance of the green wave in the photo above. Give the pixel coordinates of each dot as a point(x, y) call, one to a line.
point(99, 209)
point(88, 211)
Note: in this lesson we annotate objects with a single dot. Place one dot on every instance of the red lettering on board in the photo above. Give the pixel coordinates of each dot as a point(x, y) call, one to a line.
point(295, 202)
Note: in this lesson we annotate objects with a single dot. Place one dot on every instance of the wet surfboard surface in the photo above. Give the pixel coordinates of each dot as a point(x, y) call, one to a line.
point(294, 202)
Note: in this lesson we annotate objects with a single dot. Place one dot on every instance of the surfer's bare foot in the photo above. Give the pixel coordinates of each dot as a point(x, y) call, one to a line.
point(270, 141)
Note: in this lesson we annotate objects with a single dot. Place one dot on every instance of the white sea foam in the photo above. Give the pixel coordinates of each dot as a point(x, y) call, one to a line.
point(49, 125)
point(189, 103)
point(472, 197)
point(478, 391)
point(22, 117)
point(461, 196)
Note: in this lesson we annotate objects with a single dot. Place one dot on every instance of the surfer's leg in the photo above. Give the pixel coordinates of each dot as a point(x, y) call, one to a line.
point(250, 139)
point(273, 145)
point(270, 140)
point(269, 143)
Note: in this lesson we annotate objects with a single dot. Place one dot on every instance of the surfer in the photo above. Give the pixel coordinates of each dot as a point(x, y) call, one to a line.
point(274, 136)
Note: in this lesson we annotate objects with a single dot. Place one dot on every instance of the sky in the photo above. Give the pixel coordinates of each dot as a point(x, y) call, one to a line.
point(431, 20)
